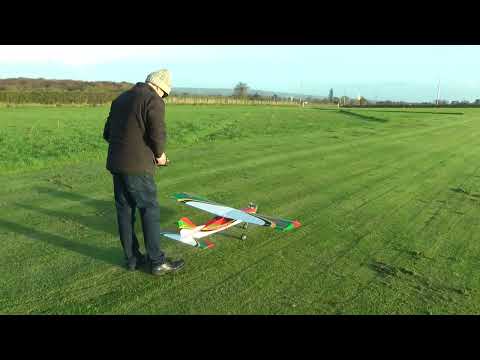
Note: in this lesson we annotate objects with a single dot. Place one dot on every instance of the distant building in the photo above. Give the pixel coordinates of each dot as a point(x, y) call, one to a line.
point(361, 100)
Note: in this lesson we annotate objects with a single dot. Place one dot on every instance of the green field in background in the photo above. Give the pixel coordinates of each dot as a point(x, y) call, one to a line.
point(388, 198)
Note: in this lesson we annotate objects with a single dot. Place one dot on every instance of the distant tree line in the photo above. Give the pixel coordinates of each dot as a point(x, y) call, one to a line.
point(26, 84)
point(396, 104)
point(57, 97)
point(42, 91)
point(362, 101)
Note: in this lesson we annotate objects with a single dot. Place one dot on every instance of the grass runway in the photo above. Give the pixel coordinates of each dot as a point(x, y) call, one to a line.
point(389, 202)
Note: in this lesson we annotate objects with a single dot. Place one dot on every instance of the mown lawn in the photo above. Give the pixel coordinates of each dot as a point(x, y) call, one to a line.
point(389, 202)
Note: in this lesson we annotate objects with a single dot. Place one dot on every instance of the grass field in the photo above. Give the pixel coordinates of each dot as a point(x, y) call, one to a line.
point(388, 198)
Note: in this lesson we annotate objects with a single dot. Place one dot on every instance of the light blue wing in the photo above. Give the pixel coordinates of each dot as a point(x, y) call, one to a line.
point(227, 212)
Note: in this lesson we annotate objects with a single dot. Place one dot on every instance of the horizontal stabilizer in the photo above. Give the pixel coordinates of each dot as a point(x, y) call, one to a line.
point(172, 236)
point(185, 237)
point(205, 244)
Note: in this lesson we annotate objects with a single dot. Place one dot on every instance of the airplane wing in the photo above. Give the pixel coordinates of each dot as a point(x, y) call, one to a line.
point(231, 213)
point(279, 224)
point(217, 209)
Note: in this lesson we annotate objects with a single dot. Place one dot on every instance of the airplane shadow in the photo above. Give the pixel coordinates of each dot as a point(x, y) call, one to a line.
point(233, 234)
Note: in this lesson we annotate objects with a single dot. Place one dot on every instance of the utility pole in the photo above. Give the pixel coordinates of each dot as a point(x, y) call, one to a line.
point(438, 92)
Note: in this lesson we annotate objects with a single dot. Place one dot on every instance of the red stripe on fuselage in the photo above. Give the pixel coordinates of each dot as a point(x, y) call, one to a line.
point(219, 221)
point(216, 223)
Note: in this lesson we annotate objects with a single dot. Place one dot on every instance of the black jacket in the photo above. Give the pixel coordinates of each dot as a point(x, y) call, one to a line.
point(135, 131)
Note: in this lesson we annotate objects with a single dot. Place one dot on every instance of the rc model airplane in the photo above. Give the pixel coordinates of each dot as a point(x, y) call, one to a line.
point(226, 217)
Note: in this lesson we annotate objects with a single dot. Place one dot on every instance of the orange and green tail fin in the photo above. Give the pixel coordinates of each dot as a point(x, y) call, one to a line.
point(186, 223)
point(205, 244)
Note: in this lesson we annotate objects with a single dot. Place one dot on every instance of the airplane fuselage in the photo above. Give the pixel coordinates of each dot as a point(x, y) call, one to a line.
point(202, 231)
point(192, 234)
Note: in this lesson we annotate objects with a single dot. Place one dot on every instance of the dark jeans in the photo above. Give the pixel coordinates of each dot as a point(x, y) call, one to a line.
point(132, 192)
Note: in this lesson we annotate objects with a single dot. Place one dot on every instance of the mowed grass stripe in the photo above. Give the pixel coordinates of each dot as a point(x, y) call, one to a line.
point(196, 296)
point(406, 225)
point(133, 294)
point(405, 132)
point(218, 167)
point(301, 274)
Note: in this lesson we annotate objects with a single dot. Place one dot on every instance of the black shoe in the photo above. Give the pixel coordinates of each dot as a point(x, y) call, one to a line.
point(167, 266)
point(141, 260)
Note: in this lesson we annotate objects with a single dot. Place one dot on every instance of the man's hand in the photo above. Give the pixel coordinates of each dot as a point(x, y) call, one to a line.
point(162, 160)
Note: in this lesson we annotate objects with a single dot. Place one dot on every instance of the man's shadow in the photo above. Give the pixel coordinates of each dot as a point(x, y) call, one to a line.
point(101, 217)
point(109, 255)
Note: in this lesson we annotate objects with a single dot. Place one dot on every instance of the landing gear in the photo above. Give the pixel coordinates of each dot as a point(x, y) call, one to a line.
point(244, 227)
point(251, 205)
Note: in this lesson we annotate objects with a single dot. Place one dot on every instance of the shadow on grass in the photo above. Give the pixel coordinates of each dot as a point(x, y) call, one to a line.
point(324, 109)
point(460, 190)
point(102, 223)
point(100, 205)
point(103, 219)
point(108, 255)
point(363, 117)
point(418, 112)
point(229, 235)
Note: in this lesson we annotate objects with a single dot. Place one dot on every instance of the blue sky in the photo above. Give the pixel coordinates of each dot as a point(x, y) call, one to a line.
point(409, 73)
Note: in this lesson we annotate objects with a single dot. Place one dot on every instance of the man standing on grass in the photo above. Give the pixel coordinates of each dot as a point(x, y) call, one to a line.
point(135, 131)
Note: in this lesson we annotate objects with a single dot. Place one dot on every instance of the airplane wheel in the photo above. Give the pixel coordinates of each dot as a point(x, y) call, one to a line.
point(245, 226)
point(244, 237)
